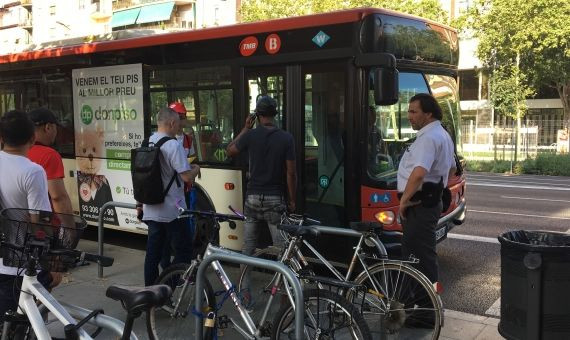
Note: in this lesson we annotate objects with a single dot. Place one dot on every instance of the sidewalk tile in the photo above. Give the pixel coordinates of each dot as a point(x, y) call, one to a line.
point(460, 329)
point(489, 333)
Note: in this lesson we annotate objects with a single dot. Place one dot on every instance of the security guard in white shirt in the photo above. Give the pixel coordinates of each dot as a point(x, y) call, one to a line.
point(422, 175)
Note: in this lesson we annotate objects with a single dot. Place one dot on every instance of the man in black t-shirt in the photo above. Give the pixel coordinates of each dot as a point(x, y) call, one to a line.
point(271, 159)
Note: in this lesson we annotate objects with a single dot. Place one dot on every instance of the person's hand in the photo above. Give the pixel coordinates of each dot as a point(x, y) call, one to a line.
point(404, 207)
point(291, 206)
point(139, 213)
point(249, 121)
point(199, 175)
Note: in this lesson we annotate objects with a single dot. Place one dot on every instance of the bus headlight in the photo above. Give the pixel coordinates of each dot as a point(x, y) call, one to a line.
point(385, 217)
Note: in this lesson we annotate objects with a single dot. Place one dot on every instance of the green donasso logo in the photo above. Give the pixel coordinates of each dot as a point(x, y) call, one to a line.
point(86, 114)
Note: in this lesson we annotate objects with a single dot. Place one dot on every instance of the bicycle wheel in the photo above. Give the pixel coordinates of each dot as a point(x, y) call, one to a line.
point(163, 323)
point(327, 316)
point(400, 302)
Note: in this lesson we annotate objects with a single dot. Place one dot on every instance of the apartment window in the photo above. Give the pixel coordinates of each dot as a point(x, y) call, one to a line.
point(468, 85)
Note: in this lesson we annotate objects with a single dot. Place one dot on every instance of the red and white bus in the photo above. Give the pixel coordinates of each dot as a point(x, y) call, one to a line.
point(342, 81)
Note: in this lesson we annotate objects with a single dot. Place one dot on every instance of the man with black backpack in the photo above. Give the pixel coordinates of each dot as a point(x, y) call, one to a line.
point(160, 206)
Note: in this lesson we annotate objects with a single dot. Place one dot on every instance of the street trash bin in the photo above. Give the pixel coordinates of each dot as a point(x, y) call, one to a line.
point(535, 285)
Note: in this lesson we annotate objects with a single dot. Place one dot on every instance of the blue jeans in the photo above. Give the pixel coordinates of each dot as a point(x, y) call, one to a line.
point(261, 208)
point(158, 234)
point(170, 244)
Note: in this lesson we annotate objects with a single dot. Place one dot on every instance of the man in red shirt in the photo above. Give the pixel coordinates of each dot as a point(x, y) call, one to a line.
point(46, 131)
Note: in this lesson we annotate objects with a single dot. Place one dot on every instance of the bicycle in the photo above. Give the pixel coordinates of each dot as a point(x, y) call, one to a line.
point(400, 302)
point(184, 278)
point(33, 239)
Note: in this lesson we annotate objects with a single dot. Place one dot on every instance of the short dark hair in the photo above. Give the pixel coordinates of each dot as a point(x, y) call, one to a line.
point(16, 128)
point(428, 104)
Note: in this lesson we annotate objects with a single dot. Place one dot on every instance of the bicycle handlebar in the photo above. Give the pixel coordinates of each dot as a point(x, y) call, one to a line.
point(211, 214)
point(104, 261)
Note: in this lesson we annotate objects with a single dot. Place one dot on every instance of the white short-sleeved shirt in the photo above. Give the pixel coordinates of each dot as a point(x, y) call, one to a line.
point(173, 158)
point(23, 184)
point(432, 150)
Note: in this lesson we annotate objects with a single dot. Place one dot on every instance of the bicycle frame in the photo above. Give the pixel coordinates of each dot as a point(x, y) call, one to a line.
point(215, 254)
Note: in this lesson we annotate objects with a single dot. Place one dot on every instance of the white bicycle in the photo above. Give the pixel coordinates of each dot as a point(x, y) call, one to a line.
point(33, 239)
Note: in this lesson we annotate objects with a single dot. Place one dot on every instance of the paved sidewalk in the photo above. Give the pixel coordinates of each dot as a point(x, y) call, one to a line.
point(82, 287)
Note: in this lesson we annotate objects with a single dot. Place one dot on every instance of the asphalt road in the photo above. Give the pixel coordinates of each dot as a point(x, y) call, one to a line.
point(470, 257)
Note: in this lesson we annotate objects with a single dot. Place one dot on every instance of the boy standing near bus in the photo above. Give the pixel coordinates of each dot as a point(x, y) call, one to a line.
point(41, 153)
point(23, 185)
point(271, 159)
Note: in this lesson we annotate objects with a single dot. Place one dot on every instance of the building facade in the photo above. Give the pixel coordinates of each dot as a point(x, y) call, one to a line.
point(33, 24)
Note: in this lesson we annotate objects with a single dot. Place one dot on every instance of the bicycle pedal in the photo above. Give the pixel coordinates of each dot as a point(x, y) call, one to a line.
point(223, 322)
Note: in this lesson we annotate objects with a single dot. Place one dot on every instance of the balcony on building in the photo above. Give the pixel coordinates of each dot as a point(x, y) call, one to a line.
point(152, 14)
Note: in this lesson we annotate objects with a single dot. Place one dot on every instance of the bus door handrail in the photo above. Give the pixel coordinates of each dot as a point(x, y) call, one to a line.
point(114, 204)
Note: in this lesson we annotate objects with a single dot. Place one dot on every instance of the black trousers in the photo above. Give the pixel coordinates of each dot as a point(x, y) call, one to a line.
point(419, 238)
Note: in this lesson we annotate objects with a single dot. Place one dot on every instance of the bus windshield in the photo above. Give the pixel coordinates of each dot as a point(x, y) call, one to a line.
point(389, 130)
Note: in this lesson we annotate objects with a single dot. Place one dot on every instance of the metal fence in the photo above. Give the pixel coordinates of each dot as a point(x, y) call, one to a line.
point(497, 142)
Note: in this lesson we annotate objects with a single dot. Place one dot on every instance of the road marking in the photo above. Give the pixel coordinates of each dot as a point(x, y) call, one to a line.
point(473, 238)
point(495, 309)
point(534, 199)
point(535, 187)
point(506, 178)
point(515, 214)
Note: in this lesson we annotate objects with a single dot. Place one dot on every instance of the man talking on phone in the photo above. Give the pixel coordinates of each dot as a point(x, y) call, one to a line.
point(271, 188)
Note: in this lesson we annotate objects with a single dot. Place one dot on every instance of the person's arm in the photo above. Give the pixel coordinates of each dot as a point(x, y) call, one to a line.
point(291, 184)
point(414, 182)
point(59, 198)
point(37, 190)
point(190, 175)
point(232, 150)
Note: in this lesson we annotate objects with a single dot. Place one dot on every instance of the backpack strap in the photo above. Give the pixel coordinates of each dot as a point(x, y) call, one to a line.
point(174, 176)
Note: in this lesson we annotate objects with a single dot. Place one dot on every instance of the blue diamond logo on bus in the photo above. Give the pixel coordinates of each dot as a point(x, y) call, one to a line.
point(321, 38)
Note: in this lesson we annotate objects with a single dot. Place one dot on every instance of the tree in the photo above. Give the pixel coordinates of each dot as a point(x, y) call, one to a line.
point(526, 40)
point(255, 10)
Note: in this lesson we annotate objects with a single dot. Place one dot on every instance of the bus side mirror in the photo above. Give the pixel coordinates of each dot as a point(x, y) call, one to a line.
point(386, 86)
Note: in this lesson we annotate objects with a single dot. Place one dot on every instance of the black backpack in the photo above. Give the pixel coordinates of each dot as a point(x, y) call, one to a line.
point(145, 171)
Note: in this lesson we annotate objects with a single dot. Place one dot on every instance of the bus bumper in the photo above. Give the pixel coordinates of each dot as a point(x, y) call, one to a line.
point(449, 221)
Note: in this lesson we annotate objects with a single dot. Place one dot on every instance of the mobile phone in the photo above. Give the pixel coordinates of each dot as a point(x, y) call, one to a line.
point(253, 116)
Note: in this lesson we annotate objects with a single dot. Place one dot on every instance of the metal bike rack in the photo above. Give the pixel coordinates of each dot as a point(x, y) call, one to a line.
point(100, 226)
point(221, 254)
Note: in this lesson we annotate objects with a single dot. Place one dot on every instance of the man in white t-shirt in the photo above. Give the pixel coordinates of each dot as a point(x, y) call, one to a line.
point(161, 219)
point(422, 174)
point(23, 184)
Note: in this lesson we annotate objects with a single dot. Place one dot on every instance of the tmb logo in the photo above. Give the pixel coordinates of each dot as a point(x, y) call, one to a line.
point(248, 46)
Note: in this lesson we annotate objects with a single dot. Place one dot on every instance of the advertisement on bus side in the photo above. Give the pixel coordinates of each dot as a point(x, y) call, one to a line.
point(108, 117)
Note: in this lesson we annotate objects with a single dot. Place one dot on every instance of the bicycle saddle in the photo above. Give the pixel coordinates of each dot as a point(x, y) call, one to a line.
point(298, 230)
point(365, 226)
point(138, 299)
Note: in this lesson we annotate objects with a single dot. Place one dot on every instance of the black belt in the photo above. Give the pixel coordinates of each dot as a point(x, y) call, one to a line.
point(415, 197)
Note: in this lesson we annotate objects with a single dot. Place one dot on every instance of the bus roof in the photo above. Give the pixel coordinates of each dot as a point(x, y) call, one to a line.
point(113, 44)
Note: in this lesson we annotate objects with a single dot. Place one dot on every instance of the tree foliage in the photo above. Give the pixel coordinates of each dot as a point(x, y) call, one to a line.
point(255, 10)
point(535, 31)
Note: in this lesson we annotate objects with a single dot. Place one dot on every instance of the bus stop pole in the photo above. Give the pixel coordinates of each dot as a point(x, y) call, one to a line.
point(214, 253)
point(100, 226)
